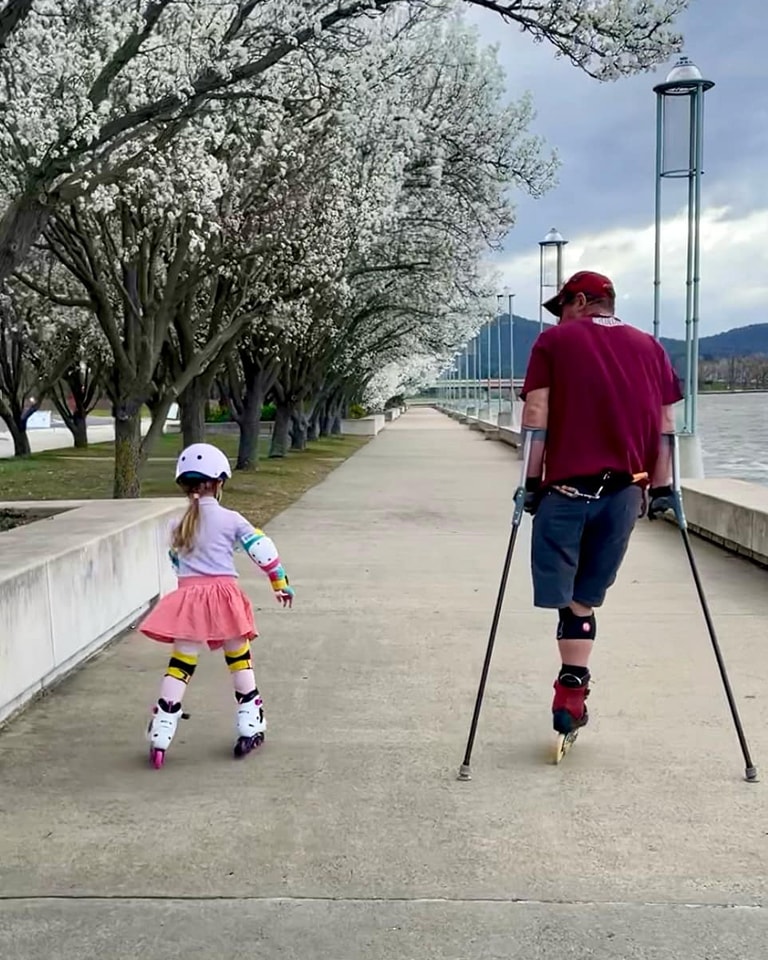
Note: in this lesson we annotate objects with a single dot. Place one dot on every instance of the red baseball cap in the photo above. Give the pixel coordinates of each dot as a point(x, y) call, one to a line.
point(594, 286)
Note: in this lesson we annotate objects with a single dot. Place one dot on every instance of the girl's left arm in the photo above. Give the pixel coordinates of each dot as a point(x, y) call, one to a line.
point(262, 550)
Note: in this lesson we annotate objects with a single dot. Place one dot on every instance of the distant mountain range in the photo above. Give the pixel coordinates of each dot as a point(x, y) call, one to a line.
point(738, 342)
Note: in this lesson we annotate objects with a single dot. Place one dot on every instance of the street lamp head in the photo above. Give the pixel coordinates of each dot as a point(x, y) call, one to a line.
point(553, 239)
point(679, 120)
point(683, 79)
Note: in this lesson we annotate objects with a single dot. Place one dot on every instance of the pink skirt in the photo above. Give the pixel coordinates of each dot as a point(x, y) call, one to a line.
point(201, 610)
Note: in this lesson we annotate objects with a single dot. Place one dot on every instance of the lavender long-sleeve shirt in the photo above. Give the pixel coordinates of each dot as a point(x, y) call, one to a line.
point(219, 534)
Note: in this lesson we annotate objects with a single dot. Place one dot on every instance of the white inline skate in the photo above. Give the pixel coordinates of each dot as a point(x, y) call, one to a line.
point(251, 724)
point(162, 729)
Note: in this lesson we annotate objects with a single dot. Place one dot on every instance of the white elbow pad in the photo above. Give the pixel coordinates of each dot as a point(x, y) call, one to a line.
point(260, 548)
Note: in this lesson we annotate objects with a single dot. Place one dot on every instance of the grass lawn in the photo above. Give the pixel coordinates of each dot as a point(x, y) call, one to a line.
point(258, 494)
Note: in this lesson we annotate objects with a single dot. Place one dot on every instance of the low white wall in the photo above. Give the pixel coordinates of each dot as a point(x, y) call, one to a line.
point(71, 583)
point(510, 436)
point(731, 513)
point(364, 426)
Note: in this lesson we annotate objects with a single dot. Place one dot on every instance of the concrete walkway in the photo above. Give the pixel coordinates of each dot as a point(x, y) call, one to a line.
point(348, 837)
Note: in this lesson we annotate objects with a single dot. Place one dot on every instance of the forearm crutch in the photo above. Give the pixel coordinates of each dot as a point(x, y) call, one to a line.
point(750, 773)
point(517, 516)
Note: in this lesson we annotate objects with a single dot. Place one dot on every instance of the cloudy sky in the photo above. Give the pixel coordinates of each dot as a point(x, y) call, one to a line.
point(604, 204)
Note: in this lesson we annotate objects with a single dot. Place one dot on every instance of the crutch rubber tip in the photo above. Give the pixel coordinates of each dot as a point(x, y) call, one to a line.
point(751, 775)
point(464, 773)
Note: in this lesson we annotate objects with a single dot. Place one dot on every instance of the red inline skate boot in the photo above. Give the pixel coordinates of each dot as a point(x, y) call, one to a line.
point(569, 710)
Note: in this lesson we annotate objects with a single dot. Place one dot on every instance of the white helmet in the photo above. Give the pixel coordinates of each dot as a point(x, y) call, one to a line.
point(202, 461)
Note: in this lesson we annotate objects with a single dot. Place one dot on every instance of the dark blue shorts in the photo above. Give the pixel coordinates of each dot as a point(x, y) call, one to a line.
point(578, 546)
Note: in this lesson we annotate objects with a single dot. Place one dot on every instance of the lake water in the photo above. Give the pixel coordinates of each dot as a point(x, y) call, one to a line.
point(734, 435)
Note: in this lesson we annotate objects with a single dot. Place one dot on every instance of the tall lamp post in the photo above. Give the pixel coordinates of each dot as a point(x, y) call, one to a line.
point(457, 379)
point(511, 298)
point(499, 298)
point(679, 155)
point(550, 267)
point(488, 364)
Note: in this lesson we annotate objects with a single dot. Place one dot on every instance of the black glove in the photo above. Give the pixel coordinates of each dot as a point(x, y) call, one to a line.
point(533, 494)
point(660, 499)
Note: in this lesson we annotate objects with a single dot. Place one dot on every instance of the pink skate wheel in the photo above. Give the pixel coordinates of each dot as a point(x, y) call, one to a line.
point(156, 758)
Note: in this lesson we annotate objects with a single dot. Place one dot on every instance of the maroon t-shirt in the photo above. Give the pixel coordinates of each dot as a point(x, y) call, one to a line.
point(607, 385)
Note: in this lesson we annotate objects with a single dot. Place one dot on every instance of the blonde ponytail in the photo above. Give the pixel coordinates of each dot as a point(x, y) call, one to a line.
point(185, 533)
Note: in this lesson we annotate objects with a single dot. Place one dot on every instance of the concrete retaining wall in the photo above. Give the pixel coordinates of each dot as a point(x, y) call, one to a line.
point(731, 513)
point(71, 583)
point(364, 426)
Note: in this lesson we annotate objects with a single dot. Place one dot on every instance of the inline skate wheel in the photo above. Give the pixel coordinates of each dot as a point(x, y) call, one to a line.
point(156, 757)
point(563, 744)
point(246, 744)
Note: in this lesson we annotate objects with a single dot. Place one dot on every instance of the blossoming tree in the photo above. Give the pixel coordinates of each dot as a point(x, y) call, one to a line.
point(88, 85)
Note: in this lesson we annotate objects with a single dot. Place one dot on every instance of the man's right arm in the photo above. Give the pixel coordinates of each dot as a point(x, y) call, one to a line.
point(661, 496)
point(662, 474)
point(535, 419)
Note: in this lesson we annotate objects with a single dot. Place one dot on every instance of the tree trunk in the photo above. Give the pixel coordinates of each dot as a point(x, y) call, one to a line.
point(299, 428)
point(19, 436)
point(79, 429)
point(281, 435)
point(334, 419)
point(16, 419)
point(313, 427)
point(23, 222)
point(323, 418)
point(192, 405)
point(250, 426)
point(127, 455)
point(83, 390)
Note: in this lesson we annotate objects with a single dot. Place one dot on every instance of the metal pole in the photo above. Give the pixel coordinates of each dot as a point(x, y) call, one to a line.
point(698, 107)
point(689, 270)
point(470, 392)
point(466, 373)
point(498, 365)
point(476, 371)
point(541, 287)
point(511, 353)
point(456, 378)
point(657, 240)
point(559, 265)
point(488, 367)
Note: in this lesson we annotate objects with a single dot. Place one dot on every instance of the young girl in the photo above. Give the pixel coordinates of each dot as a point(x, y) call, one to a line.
point(208, 607)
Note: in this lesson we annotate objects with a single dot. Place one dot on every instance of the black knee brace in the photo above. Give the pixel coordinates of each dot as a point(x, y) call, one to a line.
point(239, 659)
point(571, 627)
point(181, 666)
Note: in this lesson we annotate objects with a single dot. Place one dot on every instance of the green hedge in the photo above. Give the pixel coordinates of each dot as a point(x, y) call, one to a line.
point(215, 413)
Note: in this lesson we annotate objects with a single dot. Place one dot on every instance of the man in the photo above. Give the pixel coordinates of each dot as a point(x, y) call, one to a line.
point(598, 396)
